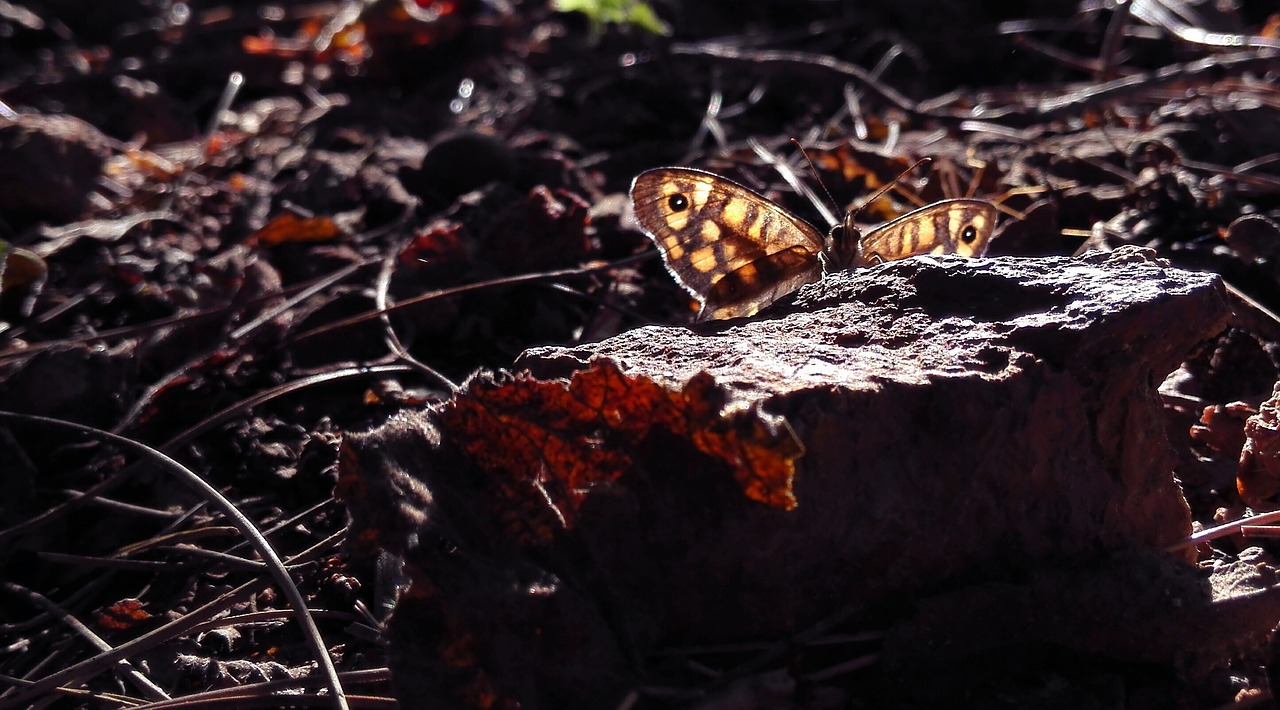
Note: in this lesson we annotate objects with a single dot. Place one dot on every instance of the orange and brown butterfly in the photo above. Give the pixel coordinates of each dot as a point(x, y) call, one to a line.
point(736, 251)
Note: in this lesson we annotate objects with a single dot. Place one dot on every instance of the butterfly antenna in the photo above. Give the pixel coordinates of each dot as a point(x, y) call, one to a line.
point(816, 175)
point(891, 184)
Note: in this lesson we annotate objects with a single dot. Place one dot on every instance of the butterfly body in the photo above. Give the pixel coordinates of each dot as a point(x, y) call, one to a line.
point(736, 251)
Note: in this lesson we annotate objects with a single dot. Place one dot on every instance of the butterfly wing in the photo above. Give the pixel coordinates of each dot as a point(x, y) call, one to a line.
point(731, 248)
point(948, 227)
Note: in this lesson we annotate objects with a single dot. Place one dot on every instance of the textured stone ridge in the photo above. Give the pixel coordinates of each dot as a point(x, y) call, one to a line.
point(960, 418)
point(983, 443)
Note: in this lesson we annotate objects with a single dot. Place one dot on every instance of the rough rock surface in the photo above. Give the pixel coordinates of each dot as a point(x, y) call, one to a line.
point(957, 415)
point(49, 167)
point(965, 423)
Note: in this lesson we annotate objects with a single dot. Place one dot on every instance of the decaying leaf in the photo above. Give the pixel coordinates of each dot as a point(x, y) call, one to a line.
point(22, 276)
point(123, 615)
point(1220, 427)
point(289, 227)
point(1258, 476)
point(20, 267)
point(555, 440)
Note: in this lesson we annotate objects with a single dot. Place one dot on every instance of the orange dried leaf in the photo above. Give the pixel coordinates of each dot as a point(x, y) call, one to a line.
point(441, 244)
point(289, 227)
point(123, 615)
point(552, 441)
point(1221, 427)
point(1271, 30)
point(844, 161)
point(1258, 475)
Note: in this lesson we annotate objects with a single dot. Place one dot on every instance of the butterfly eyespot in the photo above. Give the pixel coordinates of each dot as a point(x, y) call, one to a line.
point(969, 234)
point(678, 203)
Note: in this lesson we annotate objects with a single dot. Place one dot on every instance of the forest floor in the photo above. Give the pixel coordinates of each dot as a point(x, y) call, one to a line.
point(235, 232)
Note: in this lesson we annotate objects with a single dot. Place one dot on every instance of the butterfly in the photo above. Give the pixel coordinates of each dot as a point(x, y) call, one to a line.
point(736, 251)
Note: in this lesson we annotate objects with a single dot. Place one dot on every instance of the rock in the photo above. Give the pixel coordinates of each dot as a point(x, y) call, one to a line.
point(49, 168)
point(1135, 607)
point(459, 162)
point(961, 423)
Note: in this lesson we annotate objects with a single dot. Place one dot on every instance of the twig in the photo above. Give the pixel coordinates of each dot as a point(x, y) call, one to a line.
point(1089, 94)
point(189, 433)
point(790, 59)
point(1158, 14)
point(234, 82)
point(467, 288)
point(246, 527)
point(1231, 528)
point(1112, 39)
point(143, 683)
point(382, 288)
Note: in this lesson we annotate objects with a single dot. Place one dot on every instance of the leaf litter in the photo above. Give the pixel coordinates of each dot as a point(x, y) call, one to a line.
point(481, 142)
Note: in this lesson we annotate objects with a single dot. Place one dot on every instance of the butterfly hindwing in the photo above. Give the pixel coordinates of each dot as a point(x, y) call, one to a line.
point(962, 226)
point(730, 247)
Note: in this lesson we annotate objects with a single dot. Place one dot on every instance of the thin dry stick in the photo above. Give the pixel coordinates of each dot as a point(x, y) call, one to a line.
point(266, 618)
point(258, 690)
point(790, 177)
point(1112, 40)
point(467, 288)
point(1260, 531)
point(247, 699)
point(381, 297)
point(790, 60)
point(177, 536)
point(234, 82)
point(123, 701)
point(287, 522)
point(236, 337)
point(190, 433)
point(317, 286)
point(1224, 530)
point(1055, 53)
point(142, 682)
point(247, 528)
point(1074, 100)
point(1158, 14)
point(119, 506)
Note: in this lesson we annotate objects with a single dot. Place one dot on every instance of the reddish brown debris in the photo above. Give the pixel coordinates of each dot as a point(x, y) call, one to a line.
point(1221, 427)
point(123, 615)
point(1259, 475)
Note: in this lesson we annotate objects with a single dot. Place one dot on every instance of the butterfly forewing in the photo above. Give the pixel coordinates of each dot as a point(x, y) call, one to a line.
point(733, 249)
point(948, 227)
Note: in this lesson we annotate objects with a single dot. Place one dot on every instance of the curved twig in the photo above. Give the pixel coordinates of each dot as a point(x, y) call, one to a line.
point(246, 527)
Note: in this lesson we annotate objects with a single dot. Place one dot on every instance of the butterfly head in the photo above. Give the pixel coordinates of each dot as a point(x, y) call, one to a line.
point(840, 250)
